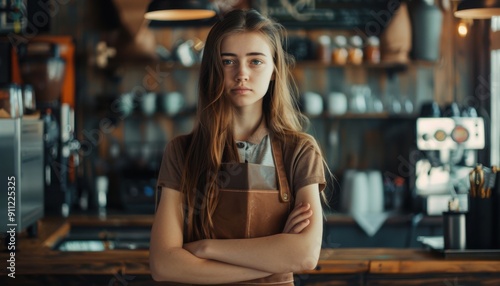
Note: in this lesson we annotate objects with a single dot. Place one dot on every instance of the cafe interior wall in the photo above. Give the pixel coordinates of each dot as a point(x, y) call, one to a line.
point(382, 144)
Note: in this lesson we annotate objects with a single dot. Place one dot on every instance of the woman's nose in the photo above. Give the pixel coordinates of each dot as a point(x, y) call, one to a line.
point(242, 74)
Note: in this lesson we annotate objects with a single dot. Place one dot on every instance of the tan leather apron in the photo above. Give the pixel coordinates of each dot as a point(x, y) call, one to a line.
point(251, 206)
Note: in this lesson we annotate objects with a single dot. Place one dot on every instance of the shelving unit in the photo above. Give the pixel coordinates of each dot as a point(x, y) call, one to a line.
point(315, 64)
point(361, 137)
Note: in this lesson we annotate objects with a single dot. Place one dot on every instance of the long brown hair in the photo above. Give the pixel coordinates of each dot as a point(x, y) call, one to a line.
point(212, 141)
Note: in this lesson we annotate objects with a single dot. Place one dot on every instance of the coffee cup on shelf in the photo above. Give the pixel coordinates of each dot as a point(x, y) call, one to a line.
point(312, 103)
point(337, 103)
point(172, 102)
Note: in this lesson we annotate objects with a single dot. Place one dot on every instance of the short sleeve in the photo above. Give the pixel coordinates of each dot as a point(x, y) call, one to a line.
point(171, 166)
point(308, 166)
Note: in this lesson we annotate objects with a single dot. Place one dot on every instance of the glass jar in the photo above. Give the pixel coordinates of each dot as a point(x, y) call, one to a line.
point(339, 51)
point(355, 52)
point(324, 49)
point(372, 50)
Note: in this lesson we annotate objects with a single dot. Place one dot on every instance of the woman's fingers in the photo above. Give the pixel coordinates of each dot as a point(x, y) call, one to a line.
point(300, 226)
point(296, 221)
point(296, 211)
point(300, 218)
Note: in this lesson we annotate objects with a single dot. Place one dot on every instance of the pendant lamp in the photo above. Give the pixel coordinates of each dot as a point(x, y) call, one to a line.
point(179, 10)
point(478, 9)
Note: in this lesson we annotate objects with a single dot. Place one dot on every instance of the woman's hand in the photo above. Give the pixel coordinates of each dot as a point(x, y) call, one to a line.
point(298, 219)
point(296, 222)
point(197, 248)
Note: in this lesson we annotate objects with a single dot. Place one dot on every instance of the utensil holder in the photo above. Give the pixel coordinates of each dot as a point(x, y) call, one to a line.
point(479, 223)
point(454, 230)
point(496, 213)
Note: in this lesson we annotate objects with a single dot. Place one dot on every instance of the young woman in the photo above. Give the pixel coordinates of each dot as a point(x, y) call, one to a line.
point(240, 195)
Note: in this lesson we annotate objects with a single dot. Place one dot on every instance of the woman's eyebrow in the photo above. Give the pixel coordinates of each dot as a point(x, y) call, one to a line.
point(248, 54)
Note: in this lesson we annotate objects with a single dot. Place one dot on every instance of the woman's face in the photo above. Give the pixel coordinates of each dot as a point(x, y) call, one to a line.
point(248, 66)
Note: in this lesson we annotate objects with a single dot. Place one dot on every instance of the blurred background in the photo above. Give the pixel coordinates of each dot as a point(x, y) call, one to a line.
point(402, 98)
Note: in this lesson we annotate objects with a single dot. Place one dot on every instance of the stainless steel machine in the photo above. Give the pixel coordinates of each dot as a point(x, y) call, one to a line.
point(448, 146)
point(21, 169)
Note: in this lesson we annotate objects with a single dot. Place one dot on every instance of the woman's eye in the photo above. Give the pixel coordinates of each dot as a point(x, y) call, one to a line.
point(227, 62)
point(257, 62)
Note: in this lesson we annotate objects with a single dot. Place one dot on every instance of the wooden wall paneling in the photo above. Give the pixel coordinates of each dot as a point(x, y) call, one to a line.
point(356, 75)
point(299, 75)
point(464, 74)
point(443, 83)
point(495, 37)
point(452, 74)
point(318, 81)
point(466, 77)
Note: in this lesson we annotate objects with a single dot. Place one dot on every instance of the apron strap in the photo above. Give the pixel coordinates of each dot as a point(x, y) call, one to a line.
point(283, 187)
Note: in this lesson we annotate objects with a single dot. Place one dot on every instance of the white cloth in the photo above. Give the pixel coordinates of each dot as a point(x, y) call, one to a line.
point(370, 222)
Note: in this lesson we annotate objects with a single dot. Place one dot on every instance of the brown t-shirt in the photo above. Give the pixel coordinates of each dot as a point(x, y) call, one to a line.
point(301, 157)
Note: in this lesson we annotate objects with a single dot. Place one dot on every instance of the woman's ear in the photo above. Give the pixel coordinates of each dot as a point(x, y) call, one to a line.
point(273, 76)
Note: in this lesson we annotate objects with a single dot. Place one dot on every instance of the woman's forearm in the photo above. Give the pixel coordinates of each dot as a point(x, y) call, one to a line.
point(178, 265)
point(277, 253)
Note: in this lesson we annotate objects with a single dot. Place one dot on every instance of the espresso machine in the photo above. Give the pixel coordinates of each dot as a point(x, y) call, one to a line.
point(21, 150)
point(447, 154)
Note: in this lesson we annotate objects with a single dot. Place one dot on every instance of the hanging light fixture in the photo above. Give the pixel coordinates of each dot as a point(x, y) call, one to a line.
point(179, 10)
point(478, 9)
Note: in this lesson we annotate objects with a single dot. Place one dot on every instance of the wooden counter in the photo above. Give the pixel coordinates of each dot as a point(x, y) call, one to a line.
point(369, 266)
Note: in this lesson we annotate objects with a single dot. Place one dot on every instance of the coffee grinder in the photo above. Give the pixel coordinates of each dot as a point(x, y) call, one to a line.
point(43, 63)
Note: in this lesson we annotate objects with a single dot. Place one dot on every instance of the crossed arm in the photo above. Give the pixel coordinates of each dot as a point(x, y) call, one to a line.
point(231, 260)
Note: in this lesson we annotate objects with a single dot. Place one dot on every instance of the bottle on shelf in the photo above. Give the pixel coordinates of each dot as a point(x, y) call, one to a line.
point(324, 49)
point(339, 51)
point(372, 50)
point(355, 52)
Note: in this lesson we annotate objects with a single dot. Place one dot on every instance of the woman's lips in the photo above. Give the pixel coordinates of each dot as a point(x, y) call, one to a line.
point(240, 90)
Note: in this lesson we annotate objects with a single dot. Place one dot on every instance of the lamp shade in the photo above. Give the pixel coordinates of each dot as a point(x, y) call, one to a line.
point(176, 10)
point(478, 9)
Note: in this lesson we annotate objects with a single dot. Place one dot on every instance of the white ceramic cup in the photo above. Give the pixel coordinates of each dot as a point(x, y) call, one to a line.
point(126, 103)
point(172, 103)
point(312, 103)
point(337, 103)
point(359, 94)
point(148, 103)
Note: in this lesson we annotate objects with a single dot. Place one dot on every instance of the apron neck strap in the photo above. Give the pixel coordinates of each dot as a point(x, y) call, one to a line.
point(283, 187)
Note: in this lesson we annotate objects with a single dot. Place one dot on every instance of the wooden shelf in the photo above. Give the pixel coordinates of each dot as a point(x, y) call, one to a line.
point(347, 116)
point(309, 64)
point(381, 65)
